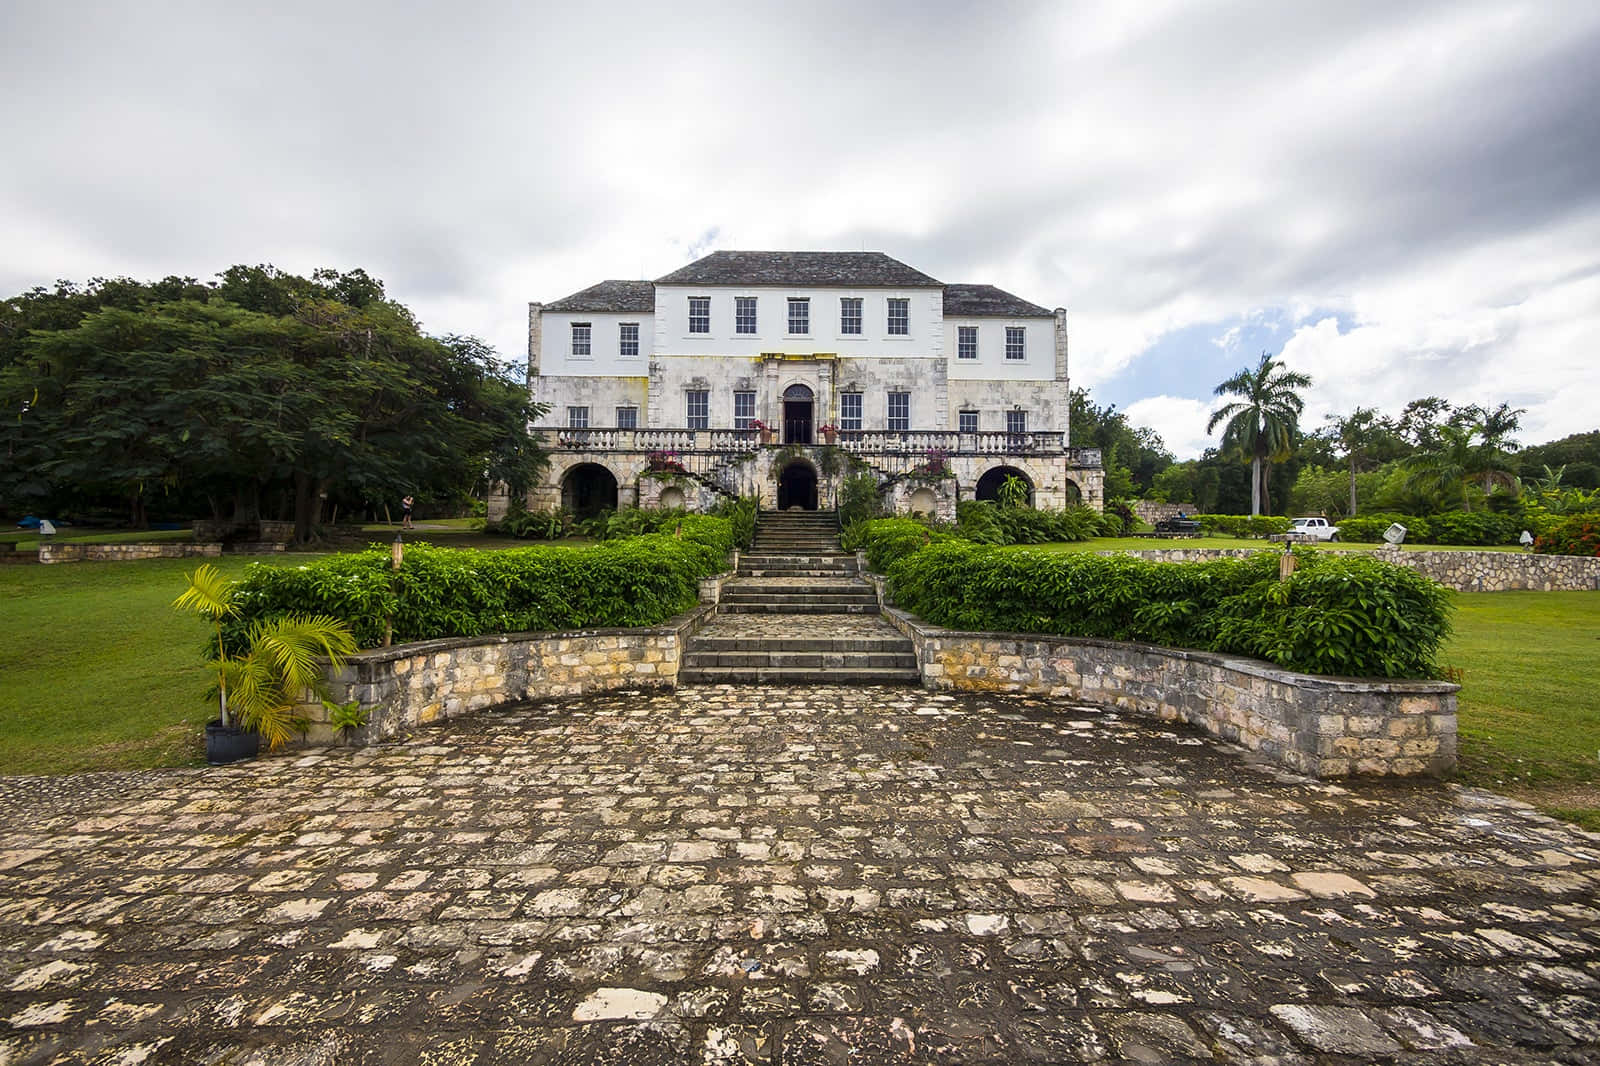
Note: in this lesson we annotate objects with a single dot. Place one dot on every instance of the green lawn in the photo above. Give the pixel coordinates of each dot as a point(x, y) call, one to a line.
point(100, 672)
point(1529, 710)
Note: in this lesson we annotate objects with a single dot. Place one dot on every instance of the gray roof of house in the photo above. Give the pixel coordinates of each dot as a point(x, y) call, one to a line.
point(979, 300)
point(622, 296)
point(828, 269)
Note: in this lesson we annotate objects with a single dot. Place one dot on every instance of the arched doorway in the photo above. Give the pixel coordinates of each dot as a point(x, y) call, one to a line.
point(1074, 494)
point(797, 487)
point(588, 489)
point(989, 484)
point(797, 410)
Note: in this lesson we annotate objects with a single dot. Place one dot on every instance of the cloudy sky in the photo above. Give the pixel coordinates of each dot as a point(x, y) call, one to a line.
point(1402, 199)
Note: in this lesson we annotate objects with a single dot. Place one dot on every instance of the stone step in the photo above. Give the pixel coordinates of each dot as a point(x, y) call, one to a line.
point(821, 587)
point(756, 558)
point(794, 571)
point(801, 660)
point(799, 608)
point(782, 675)
point(803, 644)
point(842, 597)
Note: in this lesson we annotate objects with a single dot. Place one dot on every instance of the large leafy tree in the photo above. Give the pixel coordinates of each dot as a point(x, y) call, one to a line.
point(264, 386)
point(1355, 434)
point(1263, 422)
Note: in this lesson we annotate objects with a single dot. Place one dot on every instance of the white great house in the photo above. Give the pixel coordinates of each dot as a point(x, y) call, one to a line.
point(774, 374)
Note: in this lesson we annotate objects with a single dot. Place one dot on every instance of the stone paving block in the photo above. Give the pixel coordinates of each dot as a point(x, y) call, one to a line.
point(766, 875)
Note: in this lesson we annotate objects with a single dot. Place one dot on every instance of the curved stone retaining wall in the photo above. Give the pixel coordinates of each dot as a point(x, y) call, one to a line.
point(1462, 570)
point(412, 684)
point(1323, 726)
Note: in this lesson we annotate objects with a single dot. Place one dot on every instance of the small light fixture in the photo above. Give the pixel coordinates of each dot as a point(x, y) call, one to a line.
point(397, 552)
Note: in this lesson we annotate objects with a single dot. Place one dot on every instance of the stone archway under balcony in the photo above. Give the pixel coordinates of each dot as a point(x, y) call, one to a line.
point(797, 486)
point(588, 488)
point(989, 483)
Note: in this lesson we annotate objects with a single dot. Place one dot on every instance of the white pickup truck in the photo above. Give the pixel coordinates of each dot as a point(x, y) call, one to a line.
point(1313, 529)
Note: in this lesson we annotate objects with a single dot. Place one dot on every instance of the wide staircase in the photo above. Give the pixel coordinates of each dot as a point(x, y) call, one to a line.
point(798, 612)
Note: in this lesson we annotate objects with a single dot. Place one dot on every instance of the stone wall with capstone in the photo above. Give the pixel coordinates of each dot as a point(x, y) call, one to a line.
point(410, 685)
point(1321, 726)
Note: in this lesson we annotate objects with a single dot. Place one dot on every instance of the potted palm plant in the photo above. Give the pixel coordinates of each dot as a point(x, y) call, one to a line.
point(258, 690)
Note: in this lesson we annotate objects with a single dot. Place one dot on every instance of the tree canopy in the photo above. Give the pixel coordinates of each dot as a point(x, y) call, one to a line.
point(261, 392)
point(1264, 421)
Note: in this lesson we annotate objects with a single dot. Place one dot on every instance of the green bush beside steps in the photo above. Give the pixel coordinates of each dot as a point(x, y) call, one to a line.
point(448, 592)
point(1343, 614)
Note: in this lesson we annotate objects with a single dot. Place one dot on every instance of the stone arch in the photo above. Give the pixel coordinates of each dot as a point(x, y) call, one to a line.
point(1074, 493)
point(924, 501)
point(588, 488)
point(797, 486)
point(988, 486)
point(672, 498)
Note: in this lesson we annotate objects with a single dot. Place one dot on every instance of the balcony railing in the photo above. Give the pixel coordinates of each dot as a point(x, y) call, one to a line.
point(858, 441)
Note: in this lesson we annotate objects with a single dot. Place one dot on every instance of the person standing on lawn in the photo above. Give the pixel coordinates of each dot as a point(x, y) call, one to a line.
point(405, 506)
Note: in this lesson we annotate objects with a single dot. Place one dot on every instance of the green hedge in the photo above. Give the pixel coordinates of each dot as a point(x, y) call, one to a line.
point(444, 592)
point(1241, 525)
point(1459, 528)
point(1338, 614)
point(982, 522)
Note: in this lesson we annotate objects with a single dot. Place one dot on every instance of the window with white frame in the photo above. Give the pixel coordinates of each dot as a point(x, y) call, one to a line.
point(899, 411)
point(628, 339)
point(1016, 342)
point(899, 316)
point(697, 409)
point(966, 342)
point(850, 314)
point(849, 410)
point(699, 314)
point(577, 418)
point(1016, 421)
point(744, 409)
point(967, 421)
point(581, 342)
point(744, 314)
point(627, 418)
point(799, 316)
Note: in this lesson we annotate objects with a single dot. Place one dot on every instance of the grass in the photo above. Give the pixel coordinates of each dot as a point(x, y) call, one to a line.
point(1529, 716)
point(100, 672)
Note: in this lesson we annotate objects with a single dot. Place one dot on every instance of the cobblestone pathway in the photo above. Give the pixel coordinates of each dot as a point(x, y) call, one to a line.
point(788, 876)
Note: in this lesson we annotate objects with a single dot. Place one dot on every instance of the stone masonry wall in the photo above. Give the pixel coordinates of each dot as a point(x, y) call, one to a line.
point(52, 552)
point(413, 684)
point(1322, 726)
point(1464, 571)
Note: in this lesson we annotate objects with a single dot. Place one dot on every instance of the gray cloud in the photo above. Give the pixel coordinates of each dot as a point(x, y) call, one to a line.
point(1425, 168)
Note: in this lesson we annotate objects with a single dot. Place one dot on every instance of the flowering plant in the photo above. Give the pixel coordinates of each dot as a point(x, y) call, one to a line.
point(757, 424)
point(666, 461)
point(828, 428)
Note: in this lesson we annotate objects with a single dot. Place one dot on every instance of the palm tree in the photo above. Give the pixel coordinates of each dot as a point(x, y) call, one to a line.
point(260, 689)
point(1459, 459)
point(1263, 423)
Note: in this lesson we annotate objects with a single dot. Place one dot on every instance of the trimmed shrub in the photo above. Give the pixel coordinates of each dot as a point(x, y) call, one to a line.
point(1337, 614)
point(1578, 535)
point(1473, 527)
point(443, 592)
point(1369, 528)
point(888, 540)
point(1242, 525)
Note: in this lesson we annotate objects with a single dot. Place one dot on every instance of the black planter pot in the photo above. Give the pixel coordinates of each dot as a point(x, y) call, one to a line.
point(225, 744)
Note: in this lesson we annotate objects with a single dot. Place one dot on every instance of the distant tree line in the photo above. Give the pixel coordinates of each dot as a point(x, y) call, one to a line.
point(261, 394)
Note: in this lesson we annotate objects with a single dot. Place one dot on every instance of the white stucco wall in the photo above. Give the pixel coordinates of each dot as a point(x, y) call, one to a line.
point(556, 344)
point(602, 395)
point(992, 364)
point(925, 339)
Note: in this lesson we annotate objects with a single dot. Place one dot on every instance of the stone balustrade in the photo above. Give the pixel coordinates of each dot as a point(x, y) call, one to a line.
point(859, 442)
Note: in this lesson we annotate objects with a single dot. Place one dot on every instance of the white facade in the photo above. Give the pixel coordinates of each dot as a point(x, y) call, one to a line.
point(895, 361)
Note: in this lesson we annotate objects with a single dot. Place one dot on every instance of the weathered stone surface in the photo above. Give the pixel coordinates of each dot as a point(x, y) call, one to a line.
point(768, 875)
